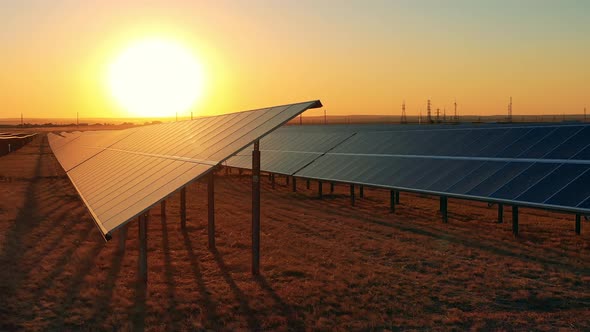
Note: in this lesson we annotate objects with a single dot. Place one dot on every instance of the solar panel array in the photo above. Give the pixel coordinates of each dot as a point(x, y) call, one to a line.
point(119, 174)
point(545, 166)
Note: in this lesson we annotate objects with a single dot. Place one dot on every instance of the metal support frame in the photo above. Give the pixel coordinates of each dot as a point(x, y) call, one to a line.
point(211, 210)
point(392, 201)
point(256, 208)
point(397, 197)
point(163, 210)
point(352, 194)
point(578, 224)
point(320, 188)
point(307, 185)
point(331, 187)
point(286, 180)
point(143, 220)
point(500, 213)
point(515, 220)
point(272, 181)
point(361, 191)
point(444, 209)
point(294, 185)
point(183, 207)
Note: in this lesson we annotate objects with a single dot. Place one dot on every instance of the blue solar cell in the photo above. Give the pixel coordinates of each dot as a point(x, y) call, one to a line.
point(498, 179)
point(524, 180)
point(552, 183)
point(474, 140)
point(572, 146)
point(501, 143)
point(418, 167)
point(574, 193)
point(583, 155)
point(462, 168)
point(550, 142)
point(525, 142)
point(585, 204)
point(436, 172)
point(474, 178)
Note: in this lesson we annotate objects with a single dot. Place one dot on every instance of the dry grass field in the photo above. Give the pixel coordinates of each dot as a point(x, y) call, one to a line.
point(325, 265)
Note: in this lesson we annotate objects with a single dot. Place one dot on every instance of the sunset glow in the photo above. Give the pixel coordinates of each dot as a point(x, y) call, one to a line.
point(360, 58)
point(155, 78)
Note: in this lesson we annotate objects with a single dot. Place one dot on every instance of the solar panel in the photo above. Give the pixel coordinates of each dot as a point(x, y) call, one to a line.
point(537, 165)
point(120, 174)
point(286, 152)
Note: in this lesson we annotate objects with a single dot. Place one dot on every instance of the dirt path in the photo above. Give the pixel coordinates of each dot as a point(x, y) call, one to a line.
point(325, 264)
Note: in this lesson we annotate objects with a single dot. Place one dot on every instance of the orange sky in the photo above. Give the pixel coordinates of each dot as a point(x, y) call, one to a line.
point(357, 57)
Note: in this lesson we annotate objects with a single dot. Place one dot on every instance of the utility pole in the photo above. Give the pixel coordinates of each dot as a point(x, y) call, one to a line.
point(428, 112)
point(404, 119)
point(456, 117)
point(438, 115)
point(445, 114)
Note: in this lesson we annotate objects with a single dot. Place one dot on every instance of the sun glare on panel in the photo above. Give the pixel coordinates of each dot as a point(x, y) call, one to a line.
point(156, 78)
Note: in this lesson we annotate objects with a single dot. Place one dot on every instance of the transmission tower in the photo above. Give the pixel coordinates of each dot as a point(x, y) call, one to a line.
point(438, 115)
point(404, 119)
point(510, 111)
point(429, 114)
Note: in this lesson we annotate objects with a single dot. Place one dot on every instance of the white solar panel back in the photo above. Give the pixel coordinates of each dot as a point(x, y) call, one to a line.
point(120, 174)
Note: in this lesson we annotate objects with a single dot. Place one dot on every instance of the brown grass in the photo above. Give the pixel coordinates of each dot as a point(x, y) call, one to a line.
point(325, 265)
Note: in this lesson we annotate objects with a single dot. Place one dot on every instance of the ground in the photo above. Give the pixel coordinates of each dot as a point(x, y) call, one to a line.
point(325, 264)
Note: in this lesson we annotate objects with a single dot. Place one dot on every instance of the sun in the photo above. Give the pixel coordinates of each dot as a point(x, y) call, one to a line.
point(156, 78)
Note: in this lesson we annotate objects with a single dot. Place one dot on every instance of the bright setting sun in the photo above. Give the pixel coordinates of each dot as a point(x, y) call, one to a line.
point(156, 78)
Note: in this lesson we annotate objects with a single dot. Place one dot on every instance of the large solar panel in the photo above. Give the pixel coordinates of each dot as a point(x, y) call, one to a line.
point(533, 165)
point(120, 174)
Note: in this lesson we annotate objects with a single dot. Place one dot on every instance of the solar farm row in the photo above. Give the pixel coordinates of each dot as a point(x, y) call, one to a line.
point(545, 166)
point(119, 174)
point(13, 141)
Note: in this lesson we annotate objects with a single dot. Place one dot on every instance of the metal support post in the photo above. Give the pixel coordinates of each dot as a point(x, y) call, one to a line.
point(515, 220)
point(211, 209)
point(500, 213)
point(320, 195)
point(578, 224)
point(352, 194)
point(256, 208)
point(444, 209)
point(143, 220)
point(392, 201)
